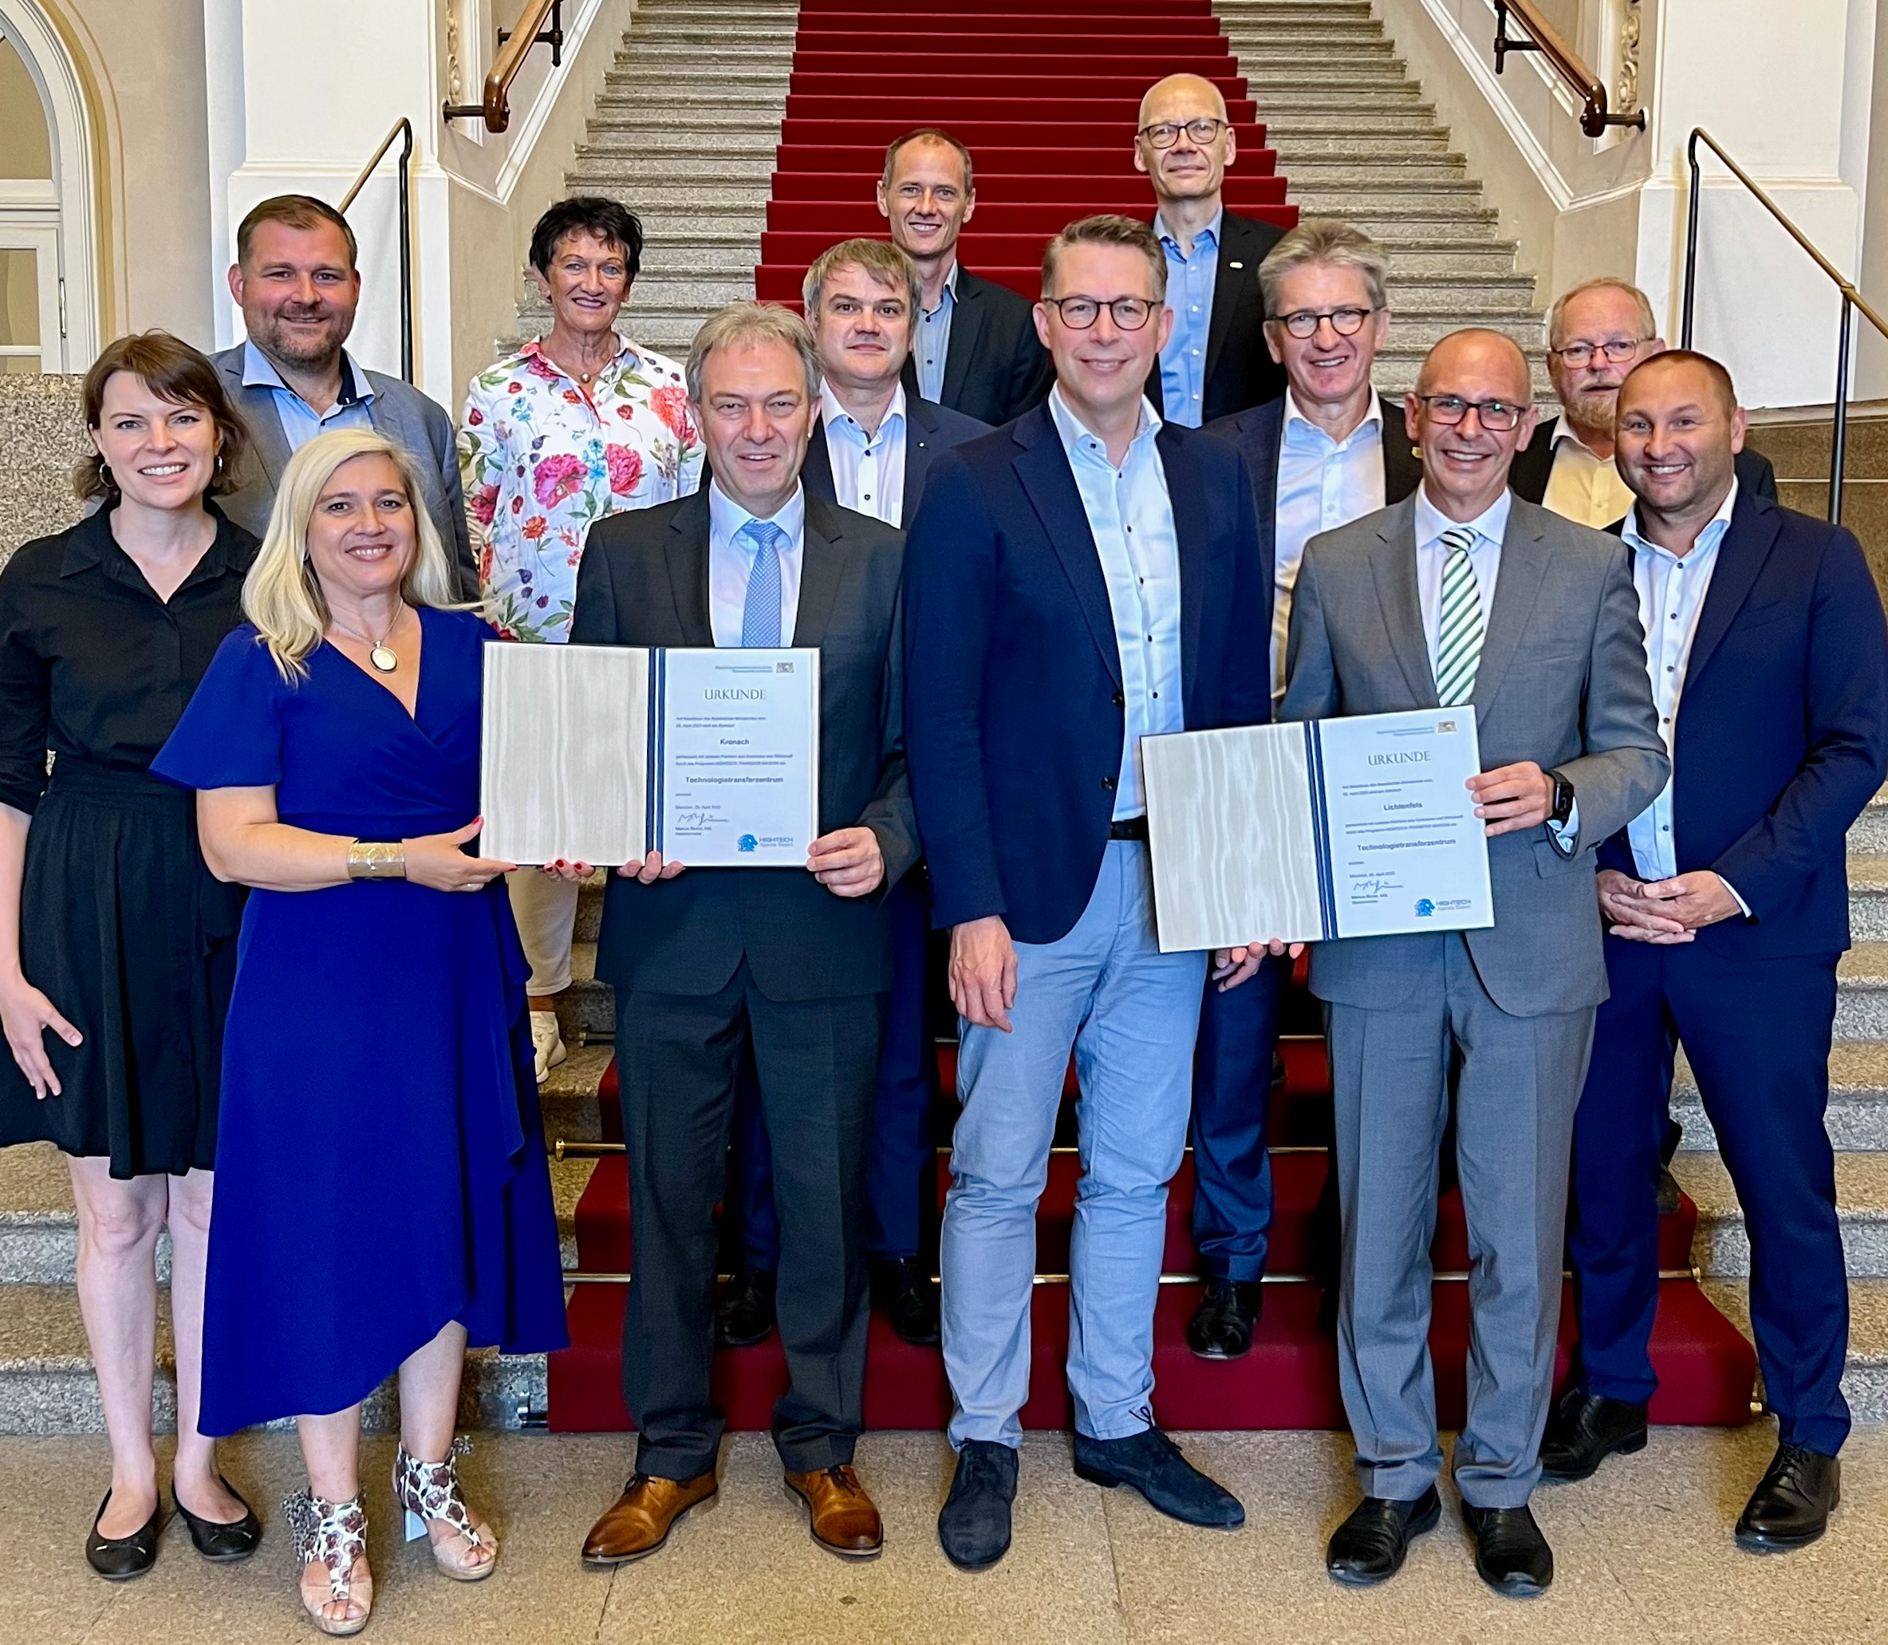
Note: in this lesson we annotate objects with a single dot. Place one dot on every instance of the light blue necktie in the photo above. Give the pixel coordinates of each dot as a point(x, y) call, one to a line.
point(760, 616)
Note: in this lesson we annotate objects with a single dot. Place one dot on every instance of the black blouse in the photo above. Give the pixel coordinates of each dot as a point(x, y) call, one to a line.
point(92, 663)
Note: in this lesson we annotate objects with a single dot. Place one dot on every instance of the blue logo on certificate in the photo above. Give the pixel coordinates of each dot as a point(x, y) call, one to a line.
point(747, 842)
point(1424, 907)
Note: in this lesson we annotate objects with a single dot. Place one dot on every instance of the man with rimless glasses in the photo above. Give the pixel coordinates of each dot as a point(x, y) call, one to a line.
point(1214, 362)
point(1596, 334)
point(1094, 570)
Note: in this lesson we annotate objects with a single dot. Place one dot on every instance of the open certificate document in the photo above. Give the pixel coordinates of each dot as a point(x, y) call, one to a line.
point(1357, 827)
point(602, 754)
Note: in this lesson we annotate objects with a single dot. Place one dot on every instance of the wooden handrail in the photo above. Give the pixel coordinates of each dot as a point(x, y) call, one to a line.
point(1544, 38)
point(514, 46)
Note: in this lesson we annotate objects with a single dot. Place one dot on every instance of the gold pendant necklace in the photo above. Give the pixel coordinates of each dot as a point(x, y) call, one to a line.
point(380, 654)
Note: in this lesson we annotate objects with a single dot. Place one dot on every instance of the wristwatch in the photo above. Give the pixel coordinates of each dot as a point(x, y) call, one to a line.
point(1563, 800)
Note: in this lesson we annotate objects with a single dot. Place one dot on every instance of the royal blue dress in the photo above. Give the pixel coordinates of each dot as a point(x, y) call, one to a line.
point(380, 1166)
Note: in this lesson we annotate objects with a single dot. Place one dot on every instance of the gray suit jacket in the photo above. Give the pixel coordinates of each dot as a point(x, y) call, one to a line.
point(400, 411)
point(644, 581)
point(1562, 681)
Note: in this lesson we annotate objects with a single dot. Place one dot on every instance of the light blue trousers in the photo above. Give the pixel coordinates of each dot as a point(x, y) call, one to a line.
point(1130, 1013)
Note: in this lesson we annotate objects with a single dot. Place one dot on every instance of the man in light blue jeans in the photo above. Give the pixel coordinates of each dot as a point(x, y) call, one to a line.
point(1078, 580)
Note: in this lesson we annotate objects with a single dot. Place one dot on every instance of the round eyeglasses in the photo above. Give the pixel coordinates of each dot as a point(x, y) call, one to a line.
point(1079, 313)
point(1616, 349)
point(1165, 133)
point(1497, 416)
point(1346, 322)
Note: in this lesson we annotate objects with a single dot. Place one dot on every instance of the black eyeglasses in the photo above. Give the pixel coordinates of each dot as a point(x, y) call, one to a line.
point(1616, 349)
point(1079, 313)
point(1346, 322)
point(1497, 416)
point(1164, 134)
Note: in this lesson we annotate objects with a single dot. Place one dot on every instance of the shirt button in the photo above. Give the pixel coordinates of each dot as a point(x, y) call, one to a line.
point(1108, 783)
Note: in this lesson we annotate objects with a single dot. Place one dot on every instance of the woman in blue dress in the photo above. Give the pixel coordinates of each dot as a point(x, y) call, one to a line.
point(383, 1197)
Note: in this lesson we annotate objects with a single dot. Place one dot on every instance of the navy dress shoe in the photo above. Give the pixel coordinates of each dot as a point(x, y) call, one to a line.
point(1511, 1555)
point(1153, 1465)
point(1221, 1327)
point(1370, 1545)
point(974, 1525)
point(1791, 1506)
point(1584, 1430)
point(745, 1313)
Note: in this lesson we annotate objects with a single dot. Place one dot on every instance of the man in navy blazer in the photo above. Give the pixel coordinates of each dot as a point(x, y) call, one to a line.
point(1082, 578)
point(1726, 905)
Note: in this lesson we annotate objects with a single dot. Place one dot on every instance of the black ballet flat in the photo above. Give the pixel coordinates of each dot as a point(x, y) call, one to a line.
point(119, 1559)
point(223, 1543)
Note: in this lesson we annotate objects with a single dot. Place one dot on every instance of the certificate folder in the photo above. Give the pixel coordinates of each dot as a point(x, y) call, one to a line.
point(601, 754)
point(1316, 830)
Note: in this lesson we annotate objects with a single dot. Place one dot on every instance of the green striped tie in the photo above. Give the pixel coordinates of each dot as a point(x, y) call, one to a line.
point(1459, 645)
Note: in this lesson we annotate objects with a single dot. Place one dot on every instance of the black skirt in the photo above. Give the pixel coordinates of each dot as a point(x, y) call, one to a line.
point(125, 930)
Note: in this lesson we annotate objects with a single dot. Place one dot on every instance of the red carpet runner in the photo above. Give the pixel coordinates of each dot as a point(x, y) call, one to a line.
point(1046, 98)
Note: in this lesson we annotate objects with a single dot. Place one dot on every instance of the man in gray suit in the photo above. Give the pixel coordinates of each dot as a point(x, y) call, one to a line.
point(297, 278)
point(1464, 595)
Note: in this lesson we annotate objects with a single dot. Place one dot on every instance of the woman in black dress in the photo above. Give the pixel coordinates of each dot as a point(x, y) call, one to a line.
point(117, 948)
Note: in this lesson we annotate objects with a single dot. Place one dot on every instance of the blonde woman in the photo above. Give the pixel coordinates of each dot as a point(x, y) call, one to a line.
point(376, 1213)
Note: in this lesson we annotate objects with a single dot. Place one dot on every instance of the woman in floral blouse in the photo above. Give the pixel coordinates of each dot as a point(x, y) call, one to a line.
point(575, 426)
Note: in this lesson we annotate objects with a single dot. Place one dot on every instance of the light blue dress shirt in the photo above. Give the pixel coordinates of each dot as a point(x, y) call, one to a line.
point(868, 474)
point(1131, 518)
point(731, 563)
point(933, 344)
point(1191, 278)
point(300, 421)
point(1671, 597)
point(1322, 484)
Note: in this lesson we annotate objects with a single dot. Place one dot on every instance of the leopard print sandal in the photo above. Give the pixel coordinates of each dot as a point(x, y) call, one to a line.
point(430, 1491)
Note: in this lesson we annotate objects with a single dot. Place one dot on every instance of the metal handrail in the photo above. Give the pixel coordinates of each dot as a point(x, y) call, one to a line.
point(514, 46)
point(1547, 40)
point(403, 129)
point(1851, 298)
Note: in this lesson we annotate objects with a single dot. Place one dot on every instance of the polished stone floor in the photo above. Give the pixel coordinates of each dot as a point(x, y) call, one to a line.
point(1644, 1556)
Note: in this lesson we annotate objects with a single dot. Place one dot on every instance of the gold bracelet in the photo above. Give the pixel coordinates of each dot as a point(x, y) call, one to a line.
point(376, 860)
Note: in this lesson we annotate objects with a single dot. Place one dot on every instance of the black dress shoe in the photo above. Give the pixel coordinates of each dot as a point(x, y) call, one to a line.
point(118, 1559)
point(223, 1542)
point(1511, 1555)
point(1369, 1547)
point(1221, 1327)
point(1667, 1193)
point(974, 1524)
point(745, 1313)
point(1154, 1466)
point(1791, 1506)
point(909, 1297)
point(1584, 1430)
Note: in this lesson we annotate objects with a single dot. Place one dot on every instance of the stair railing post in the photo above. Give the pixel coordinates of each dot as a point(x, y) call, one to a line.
point(1839, 439)
point(1691, 242)
point(406, 252)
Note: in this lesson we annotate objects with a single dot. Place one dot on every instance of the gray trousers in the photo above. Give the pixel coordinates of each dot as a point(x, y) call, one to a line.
point(1518, 1082)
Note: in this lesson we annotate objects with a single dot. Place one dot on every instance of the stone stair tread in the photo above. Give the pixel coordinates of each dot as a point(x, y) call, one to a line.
point(1865, 1377)
point(1864, 966)
point(35, 1185)
point(41, 1330)
point(578, 1075)
point(1861, 1187)
point(1858, 1070)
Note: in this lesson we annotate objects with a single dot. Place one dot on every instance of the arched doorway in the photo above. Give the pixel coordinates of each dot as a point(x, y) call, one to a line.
point(48, 208)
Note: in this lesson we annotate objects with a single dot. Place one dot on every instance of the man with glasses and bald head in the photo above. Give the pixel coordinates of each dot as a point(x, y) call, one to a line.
point(1214, 363)
point(1596, 334)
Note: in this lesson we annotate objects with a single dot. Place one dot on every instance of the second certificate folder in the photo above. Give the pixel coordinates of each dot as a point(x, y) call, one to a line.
point(601, 754)
point(1309, 831)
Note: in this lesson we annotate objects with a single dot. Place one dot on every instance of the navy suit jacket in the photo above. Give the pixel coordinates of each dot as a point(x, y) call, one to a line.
point(996, 367)
point(1240, 370)
point(1782, 733)
point(1014, 709)
point(930, 431)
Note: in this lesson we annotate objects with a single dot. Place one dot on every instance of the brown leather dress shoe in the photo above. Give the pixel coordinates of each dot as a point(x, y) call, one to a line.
point(841, 1515)
point(642, 1518)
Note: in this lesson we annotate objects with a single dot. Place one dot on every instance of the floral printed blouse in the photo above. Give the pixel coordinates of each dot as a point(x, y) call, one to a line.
point(543, 460)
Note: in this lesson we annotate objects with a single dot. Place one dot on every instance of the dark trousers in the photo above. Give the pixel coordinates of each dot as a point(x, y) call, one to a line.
point(815, 1061)
point(1757, 1034)
point(901, 1163)
point(1232, 1099)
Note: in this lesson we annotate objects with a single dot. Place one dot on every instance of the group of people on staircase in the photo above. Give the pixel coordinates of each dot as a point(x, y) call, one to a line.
point(1165, 496)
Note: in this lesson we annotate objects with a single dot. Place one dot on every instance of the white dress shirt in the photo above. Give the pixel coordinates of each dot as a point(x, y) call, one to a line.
point(1131, 517)
point(1672, 591)
point(731, 563)
point(1322, 484)
point(868, 473)
point(1484, 556)
point(1580, 486)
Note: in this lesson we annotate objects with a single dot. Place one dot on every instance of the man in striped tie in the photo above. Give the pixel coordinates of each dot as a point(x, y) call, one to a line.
point(1464, 596)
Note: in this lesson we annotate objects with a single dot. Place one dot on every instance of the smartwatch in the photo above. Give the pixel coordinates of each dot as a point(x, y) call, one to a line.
point(1563, 800)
